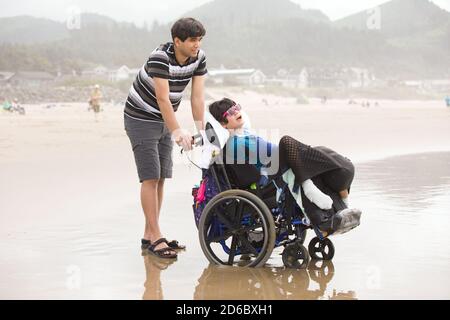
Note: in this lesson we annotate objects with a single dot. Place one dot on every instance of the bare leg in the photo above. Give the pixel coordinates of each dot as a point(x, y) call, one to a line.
point(151, 206)
point(160, 194)
point(149, 202)
point(153, 289)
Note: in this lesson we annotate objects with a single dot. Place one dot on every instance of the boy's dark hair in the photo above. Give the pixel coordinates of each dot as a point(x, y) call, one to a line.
point(187, 27)
point(218, 108)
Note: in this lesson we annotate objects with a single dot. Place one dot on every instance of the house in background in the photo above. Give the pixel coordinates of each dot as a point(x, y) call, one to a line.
point(249, 77)
point(358, 78)
point(339, 77)
point(438, 85)
point(122, 73)
point(30, 78)
point(433, 85)
point(289, 80)
point(114, 74)
point(99, 72)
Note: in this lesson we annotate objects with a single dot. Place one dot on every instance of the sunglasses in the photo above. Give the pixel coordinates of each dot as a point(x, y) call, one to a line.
point(232, 110)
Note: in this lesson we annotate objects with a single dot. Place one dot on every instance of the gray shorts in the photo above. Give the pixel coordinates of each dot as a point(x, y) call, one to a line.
point(152, 147)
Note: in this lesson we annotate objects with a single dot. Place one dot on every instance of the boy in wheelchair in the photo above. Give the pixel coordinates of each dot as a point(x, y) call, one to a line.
point(324, 176)
point(318, 179)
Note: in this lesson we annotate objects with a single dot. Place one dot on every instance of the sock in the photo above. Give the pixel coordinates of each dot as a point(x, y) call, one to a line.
point(347, 203)
point(316, 196)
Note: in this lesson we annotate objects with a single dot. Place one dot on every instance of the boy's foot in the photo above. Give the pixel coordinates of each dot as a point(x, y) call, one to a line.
point(168, 251)
point(144, 244)
point(159, 250)
point(174, 244)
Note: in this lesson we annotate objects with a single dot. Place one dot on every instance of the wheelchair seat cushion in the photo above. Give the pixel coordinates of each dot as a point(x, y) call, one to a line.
point(242, 175)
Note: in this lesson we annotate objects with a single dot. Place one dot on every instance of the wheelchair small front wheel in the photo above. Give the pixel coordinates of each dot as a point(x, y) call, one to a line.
point(295, 256)
point(321, 271)
point(321, 249)
point(235, 224)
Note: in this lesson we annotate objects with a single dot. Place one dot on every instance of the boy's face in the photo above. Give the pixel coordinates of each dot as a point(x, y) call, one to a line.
point(235, 121)
point(189, 47)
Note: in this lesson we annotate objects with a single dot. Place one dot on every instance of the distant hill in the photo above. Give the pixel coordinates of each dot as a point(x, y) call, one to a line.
point(419, 28)
point(251, 12)
point(401, 18)
point(271, 33)
point(414, 40)
point(99, 40)
point(30, 30)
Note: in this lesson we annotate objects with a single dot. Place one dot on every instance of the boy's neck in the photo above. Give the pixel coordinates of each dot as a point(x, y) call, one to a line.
point(238, 131)
point(181, 58)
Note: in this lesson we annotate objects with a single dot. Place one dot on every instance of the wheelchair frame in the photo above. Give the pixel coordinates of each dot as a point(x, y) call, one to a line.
point(285, 224)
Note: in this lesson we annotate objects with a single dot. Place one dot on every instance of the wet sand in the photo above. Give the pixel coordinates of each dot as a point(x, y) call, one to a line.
point(71, 219)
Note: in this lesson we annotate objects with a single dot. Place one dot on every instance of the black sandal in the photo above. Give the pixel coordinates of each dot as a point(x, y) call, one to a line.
point(174, 244)
point(145, 244)
point(163, 252)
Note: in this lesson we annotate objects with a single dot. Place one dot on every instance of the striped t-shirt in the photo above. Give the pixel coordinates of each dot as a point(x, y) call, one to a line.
point(141, 103)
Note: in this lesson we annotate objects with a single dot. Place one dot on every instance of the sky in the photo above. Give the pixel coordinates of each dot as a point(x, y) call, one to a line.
point(138, 11)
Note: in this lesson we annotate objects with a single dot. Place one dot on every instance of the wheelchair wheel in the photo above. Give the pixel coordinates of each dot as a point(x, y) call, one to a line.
point(301, 236)
point(321, 249)
point(235, 223)
point(294, 281)
point(295, 256)
point(321, 271)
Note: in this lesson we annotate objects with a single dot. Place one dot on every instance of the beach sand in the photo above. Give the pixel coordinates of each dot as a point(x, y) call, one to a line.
point(71, 220)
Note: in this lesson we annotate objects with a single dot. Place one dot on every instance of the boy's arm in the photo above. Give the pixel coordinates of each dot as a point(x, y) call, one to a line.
point(198, 101)
point(165, 106)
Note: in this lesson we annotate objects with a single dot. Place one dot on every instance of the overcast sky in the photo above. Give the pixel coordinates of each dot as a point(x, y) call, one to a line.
point(139, 11)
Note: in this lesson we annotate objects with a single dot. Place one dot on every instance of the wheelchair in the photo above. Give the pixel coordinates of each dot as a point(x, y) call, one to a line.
point(243, 223)
point(242, 219)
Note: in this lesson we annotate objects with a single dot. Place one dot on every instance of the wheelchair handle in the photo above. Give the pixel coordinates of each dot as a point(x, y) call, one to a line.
point(197, 140)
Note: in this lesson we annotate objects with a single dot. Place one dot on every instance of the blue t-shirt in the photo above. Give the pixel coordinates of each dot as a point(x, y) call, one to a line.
point(250, 149)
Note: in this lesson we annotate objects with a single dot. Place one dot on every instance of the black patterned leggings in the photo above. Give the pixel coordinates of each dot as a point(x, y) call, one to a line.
point(337, 179)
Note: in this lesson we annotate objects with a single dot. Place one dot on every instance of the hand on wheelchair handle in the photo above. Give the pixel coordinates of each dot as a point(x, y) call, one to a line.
point(197, 140)
point(183, 139)
point(186, 147)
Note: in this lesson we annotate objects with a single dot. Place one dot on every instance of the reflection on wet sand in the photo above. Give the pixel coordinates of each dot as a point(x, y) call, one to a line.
point(231, 283)
point(153, 268)
point(224, 282)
